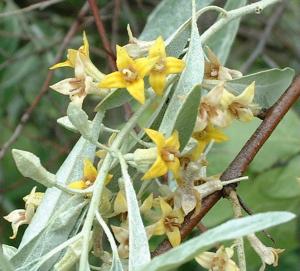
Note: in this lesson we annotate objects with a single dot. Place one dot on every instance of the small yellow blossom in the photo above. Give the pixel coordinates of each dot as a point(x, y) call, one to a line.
point(268, 255)
point(89, 177)
point(218, 261)
point(204, 137)
point(167, 155)
point(211, 110)
point(79, 87)
point(163, 66)
point(130, 74)
point(169, 223)
point(215, 71)
point(241, 106)
point(23, 216)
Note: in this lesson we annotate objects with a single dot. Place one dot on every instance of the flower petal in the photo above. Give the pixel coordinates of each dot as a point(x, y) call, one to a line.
point(159, 168)
point(156, 137)
point(205, 259)
point(77, 185)
point(173, 141)
point(158, 48)
point(144, 65)
point(124, 61)
point(89, 171)
point(174, 65)
point(64, 86)
point(66, 63)
point(137, 91)
point(159, 228)
point(214, 96)
point(85, 47)
point(72, 54)
point(174, 167)
point(198, 150)
point(113, 80)
point(174, 237)
point(157, 81)
point(165, 207)
point(120, 204)
point(246, 97)
point(121, 234)
point(147, 204)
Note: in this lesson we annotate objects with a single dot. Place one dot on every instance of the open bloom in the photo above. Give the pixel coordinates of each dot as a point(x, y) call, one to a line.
point(163, 66)
point(89, 177)
point(218, 261)
point(84, 55)
point(169, 223)
point(79, 87)
point(215, 71)
point(204, 137)
point(268, 255)
point(240, 107)
point(130, 74)
point(23, 216)
point(167, 154)
point(211, 110)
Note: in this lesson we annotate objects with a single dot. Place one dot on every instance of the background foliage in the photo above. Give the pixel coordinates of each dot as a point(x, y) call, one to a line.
point(28, 44)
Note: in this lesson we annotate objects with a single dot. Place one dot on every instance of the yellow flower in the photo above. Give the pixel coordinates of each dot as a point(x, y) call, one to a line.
point(163, 66)
point(89, 177)
point(204, 137)
point(218, 261)
point(167, 155)
point(84, 55)
point(23, 216)
point(215, 71)
point(78, 87)
point(169, 223)
point(130, 74)
point(241, 106)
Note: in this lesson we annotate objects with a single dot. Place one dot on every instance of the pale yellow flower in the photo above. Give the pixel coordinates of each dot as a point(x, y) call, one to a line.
point(23, 216)
point(205, 137)
point(163, 66)
point(79, 87)
point(89, 177)
point(211, 110)
point(214, 70)
point(122, 236)
point(167, 155)
point(130, 74)
point(169, 223)
point(84, 55)
point(268, 255)
point(240, 107)
point(218, 261)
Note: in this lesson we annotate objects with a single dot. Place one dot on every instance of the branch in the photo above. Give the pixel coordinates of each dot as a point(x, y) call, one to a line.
point(40, 5)
point(275, 17)
point(241, 162)
point(44, 89)
point(102, 33)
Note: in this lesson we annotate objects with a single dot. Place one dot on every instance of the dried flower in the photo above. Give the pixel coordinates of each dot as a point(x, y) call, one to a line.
point(268, 255)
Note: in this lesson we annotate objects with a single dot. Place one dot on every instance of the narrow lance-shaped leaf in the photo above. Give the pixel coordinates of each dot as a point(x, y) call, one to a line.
point(191, 76)
point(71, 170)
point(220, 42)
point(139, 252)
point(232, 229)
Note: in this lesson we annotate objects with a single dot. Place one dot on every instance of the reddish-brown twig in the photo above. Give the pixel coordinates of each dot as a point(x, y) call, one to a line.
point(102, 33)
point(241, 162)
point(44, 89)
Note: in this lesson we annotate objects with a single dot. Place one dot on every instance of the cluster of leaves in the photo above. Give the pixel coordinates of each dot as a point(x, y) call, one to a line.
point(33, 251)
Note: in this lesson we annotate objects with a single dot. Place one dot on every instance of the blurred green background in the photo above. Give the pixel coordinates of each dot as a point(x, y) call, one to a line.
point(29, 42)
